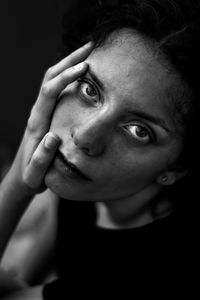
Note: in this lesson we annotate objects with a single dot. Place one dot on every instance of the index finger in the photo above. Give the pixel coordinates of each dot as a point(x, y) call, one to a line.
point(73, 59)
point(48, 96)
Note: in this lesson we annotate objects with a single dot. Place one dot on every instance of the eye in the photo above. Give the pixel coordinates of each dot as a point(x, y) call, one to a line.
point(88, 90)
point(140, 133)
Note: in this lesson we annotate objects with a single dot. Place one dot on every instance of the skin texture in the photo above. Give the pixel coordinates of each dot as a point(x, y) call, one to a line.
point(25, 177)
point(124, 155)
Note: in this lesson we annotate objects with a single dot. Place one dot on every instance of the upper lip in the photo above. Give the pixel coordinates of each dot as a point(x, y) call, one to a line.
point(74, 167)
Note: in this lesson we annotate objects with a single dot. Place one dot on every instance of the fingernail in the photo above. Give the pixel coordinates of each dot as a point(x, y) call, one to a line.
point(50, 141)
point(89, 44)
point(79, 66)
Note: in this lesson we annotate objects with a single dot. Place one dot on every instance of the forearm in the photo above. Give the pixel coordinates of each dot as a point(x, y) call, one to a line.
point(14, 199)
point(38, 146)
point(36, 230)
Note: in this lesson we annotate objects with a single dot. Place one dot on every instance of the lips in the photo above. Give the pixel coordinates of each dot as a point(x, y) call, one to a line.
point(70, 165)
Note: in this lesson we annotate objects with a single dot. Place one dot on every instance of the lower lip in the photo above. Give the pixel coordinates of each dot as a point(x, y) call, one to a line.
point(66, 171)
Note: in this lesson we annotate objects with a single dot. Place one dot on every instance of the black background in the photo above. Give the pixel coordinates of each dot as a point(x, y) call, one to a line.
point(29, 37)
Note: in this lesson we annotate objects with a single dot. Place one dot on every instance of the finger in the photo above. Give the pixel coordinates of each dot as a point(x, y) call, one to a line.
point(49, 92)
point(73, 59)
point(40, 161)
point(60, 82)
point(43, 108)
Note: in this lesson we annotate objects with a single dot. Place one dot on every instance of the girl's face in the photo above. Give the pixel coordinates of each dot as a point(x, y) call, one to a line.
point(116, 124)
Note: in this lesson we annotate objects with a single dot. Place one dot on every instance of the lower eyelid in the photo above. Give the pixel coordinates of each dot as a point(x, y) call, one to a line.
point(151, 136)
point(90, 100)
point(81, 81)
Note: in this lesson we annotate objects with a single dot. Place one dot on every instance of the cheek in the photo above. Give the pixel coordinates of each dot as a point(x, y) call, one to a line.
point(138, 166)
point(66, 111)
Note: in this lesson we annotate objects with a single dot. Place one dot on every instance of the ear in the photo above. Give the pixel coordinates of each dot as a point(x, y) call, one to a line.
point(172, 175)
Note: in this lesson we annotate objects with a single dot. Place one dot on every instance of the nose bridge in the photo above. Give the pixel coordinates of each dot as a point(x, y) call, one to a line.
point(94, 132)
point(98, 123)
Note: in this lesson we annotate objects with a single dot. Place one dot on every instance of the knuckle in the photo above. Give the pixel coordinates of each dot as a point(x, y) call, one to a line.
point(32, 124)
point(29, 181)
point(26, 179)
point(37, 161)
point(49, 73)
point(46, 89)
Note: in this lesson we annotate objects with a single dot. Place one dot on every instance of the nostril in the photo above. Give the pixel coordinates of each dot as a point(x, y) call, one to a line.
point(72, 133)
point(94, 149)
point(89, 141)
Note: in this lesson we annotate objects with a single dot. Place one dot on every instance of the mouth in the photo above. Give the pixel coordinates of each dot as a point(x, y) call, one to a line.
point(70, 168)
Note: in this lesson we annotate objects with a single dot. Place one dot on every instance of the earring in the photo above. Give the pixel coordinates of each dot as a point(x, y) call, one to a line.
point(164, 178)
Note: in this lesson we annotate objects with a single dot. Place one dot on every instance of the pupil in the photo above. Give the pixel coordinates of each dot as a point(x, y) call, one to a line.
point(141, 132)
point(90, 91)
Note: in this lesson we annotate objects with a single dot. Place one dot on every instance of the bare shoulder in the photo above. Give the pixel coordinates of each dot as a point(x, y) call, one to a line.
point(33, 293)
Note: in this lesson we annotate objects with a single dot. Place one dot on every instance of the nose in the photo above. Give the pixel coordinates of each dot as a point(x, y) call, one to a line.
point(92, 135)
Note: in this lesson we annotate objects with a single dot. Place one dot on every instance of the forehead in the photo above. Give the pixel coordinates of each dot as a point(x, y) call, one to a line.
point(130, 68)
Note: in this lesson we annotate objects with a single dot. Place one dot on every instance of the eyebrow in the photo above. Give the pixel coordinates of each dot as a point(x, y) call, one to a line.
point(155, 120)
point(96, 79)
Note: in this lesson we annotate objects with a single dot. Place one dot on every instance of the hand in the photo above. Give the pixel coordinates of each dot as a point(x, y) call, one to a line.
point(38, 146)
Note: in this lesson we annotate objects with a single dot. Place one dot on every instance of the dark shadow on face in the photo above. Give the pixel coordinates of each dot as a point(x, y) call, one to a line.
point(116, 125)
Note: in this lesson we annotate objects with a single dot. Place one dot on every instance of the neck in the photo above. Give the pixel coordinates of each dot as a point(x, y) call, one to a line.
point(105, 219)
point(130, 212)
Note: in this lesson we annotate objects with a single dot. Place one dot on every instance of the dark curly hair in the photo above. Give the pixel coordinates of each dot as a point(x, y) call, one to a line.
point(174, 27)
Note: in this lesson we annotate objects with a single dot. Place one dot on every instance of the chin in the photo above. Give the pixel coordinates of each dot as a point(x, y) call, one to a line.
point(64, 189)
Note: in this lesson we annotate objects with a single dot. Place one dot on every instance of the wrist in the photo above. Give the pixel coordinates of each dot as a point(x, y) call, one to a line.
point(12, 183)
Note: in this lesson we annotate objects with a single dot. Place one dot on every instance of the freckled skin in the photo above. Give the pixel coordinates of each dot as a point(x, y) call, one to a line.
point(121, 169)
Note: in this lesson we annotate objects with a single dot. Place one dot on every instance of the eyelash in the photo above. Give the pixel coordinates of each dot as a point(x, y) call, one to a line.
point(83, 80)
point(151, 135)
